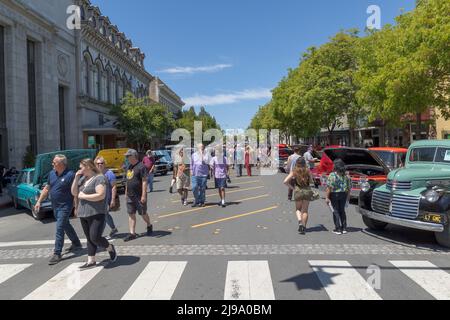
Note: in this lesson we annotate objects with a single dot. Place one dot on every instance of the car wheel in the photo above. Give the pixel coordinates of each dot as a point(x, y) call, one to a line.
point(443, 238)
point(36, 215)
point(165, 173)
point(374, 224)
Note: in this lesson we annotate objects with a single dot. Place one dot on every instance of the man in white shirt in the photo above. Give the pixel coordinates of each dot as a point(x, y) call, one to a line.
point(310, 160)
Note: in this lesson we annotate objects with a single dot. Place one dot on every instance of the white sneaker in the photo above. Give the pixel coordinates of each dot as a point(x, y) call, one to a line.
point(338, 232)
point(344, 231)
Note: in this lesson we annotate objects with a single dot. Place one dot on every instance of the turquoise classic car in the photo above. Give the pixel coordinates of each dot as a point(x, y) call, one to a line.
point(416, 196)
point(30, 182)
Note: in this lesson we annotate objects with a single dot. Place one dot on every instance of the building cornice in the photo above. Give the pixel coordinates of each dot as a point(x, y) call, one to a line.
point(35, 16)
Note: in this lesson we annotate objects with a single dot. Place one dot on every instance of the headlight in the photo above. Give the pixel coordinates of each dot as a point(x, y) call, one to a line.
point(432, 196)
point(365, 186)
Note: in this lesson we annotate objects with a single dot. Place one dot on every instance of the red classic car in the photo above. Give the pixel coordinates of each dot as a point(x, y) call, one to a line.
point(362, 164)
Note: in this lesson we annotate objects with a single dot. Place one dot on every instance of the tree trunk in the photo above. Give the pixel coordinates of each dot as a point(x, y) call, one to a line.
point(418, 126)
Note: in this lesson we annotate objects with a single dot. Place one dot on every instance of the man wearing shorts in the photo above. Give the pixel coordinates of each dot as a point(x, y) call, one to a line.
point(136, 193)
point(182, 176)
point(220, 169)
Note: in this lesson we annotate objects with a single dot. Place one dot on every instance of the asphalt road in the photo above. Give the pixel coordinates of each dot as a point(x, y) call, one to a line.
point(249, 250)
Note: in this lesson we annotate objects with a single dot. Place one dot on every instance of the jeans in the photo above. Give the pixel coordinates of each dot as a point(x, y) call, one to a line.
point(239, 170)
point(93, 229)
point(63, 226)
point(338, 201)
point(150, 181)
point(199, 189)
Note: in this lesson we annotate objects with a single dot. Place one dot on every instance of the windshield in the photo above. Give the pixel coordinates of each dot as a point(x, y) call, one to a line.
point(387, 157)
point(431, 154)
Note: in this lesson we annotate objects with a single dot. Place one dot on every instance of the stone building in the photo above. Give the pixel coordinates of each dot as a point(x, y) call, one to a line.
point(164, 95)
point(110, 66)
point(38, 79)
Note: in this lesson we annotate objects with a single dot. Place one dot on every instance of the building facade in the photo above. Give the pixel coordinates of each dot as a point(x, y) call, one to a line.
point(109, 67)
point(38, 79)
point(161, 93)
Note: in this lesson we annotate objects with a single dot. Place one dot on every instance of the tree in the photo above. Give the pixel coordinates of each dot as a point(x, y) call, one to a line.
point(405, 69)
point(186, 121)
point(141, 121)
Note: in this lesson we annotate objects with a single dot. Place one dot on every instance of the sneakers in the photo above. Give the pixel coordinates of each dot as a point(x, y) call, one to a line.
point(130, 237)
point(185, 203)
point(87, 266)
point(74, 248)
point(150, 230)
point(113, 254)
point(171, 189)
point(55, 260)
point(336, 231)
point(113, 232)
point(301, 229)
point(344, 231)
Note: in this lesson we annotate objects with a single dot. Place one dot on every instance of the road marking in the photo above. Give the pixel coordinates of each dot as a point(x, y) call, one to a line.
point(228, 192)
point(342, 282)
point(208, 206)
point(8, 271)
point(233, 217)
point(434, 280)
point(248, 280)
point(65, 284)
point(243, 183)
point(158, 281)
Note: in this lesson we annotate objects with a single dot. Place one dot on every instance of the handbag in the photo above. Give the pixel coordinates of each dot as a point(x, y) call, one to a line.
point(117, 204)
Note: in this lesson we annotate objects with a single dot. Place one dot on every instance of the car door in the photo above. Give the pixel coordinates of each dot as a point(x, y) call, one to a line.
point(22, 188)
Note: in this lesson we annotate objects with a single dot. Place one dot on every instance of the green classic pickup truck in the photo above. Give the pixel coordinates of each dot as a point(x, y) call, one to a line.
point(30, 182)
point(416, 196)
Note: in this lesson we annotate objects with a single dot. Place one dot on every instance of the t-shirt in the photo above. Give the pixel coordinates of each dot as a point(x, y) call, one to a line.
point(135, 176)
point(220, 167)
point(60, 189)
point(294, 159)
point(88, 208)
point(308, 157)
point(111, 179)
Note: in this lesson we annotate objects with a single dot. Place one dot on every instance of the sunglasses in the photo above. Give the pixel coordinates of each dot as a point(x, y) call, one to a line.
point(100, 163)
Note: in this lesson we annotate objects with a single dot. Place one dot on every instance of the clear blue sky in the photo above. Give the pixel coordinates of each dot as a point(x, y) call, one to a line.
point(229, 54)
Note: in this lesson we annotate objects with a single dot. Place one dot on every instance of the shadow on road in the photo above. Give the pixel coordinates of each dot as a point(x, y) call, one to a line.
point(310, 281)
point(121, 261)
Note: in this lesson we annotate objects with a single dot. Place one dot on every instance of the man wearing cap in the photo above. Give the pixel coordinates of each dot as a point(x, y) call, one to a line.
point(136, 193)
point(310, 160)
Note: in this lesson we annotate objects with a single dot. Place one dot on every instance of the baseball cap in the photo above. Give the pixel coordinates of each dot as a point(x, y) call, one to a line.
point(131, 152)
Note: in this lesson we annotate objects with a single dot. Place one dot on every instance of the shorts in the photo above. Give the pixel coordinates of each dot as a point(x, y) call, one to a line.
point(183, 182)
point(134, 206)
point(221, 183)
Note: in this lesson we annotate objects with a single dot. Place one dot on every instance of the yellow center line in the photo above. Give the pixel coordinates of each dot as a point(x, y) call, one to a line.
point(214, 205)
point(233, 217)
point(217, 194)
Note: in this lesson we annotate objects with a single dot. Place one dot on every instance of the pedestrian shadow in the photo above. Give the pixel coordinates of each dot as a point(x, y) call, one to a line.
point(318, 228)
point(121, 261)
point(310, 281)
point(157, 191)
point(352, 230)
point(233, 187)
point(160, 234)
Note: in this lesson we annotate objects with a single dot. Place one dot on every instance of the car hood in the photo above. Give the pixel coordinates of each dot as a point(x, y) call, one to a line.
point(44, 162)
point(356, 156)
point(114, 158)
point(421, 172)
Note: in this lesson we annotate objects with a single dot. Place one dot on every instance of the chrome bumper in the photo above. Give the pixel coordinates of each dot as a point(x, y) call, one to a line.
point(414, 224)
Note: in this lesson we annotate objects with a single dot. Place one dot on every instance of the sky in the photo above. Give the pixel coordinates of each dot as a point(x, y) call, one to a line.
point(227, 55)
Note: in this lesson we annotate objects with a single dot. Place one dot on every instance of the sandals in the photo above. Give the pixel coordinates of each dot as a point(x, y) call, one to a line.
point(88, 266)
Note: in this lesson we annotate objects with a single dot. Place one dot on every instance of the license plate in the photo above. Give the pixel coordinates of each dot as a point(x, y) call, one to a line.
point(434, 218)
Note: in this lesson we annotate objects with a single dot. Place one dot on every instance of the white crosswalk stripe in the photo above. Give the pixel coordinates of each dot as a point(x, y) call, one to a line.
point(8, 271)
point(248, 280)
point(158, 281)
point(342, 282)
point(244, 280)
point(431, 278)
point(65, 284)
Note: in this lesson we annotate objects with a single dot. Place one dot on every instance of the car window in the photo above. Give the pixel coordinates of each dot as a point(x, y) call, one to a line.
point(387, 157)
point(22, 178)
point(31, 176)
point(443, 155)
point(422, 155)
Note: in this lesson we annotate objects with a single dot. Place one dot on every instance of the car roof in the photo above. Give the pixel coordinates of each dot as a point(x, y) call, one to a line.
point(390, 149)
point(431, 143)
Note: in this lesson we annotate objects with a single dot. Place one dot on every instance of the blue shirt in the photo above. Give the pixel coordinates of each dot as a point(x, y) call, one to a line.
point(60, 189)
point(111, 179)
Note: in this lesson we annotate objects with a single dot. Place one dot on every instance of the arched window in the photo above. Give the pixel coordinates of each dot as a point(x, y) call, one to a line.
point(119, 89)
point(99, 83)
point(94, 91)
point(108, 95)
point(85, 76)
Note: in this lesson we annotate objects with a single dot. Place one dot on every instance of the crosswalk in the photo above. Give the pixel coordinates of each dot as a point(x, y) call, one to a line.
point(243, 280)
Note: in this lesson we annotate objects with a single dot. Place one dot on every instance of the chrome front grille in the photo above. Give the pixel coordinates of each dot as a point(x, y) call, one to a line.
point(381, 202)
point(398, 186)
point(399, 206)
point(355, 185)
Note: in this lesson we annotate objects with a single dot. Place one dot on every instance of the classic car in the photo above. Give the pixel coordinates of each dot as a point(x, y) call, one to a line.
point(166, 157)
point(416, 196)
point(115, 160)
point(25, 191)
point(362, 165)
point(161, 165)
point(284, 151)
point(394, 158)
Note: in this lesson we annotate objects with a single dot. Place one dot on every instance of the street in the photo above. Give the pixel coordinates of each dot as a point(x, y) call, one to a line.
point(250, 250)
